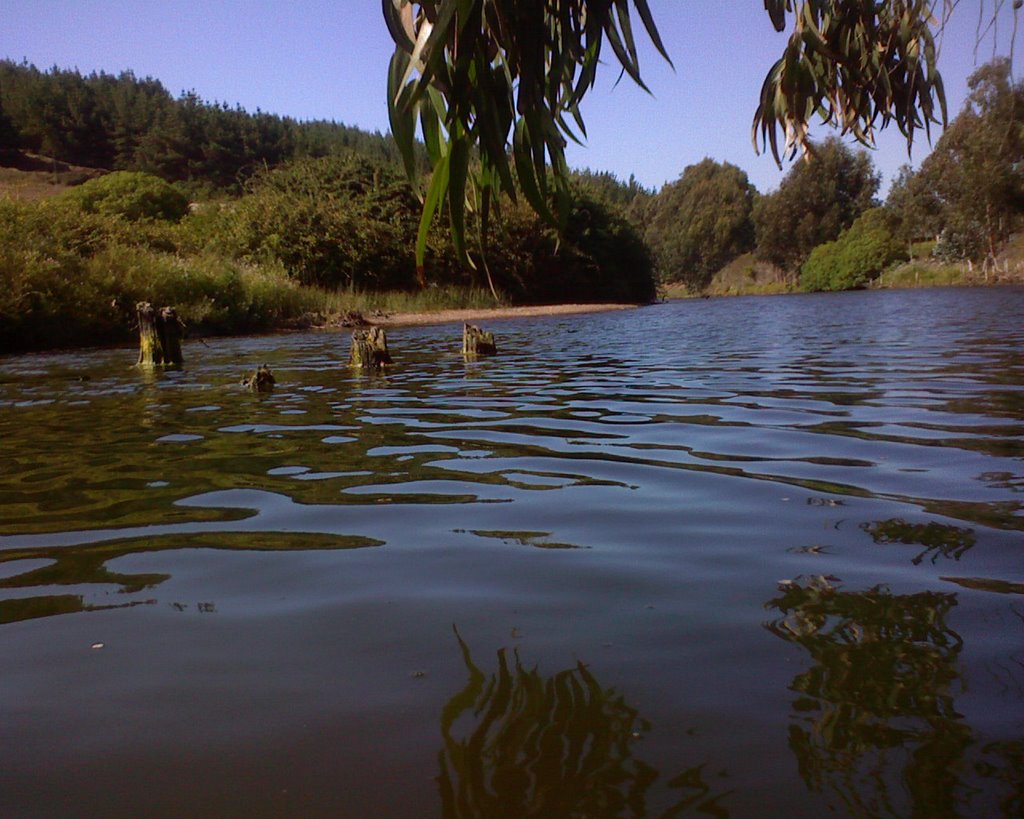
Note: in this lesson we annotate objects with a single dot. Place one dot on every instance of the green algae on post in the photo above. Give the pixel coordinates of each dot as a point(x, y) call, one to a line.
point(159, 336)
point(369, 349)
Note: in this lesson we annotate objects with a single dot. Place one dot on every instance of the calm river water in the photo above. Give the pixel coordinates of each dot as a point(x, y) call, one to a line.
point(749, 557)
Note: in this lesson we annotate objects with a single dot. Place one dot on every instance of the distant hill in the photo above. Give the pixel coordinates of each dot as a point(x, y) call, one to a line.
point(122, 122)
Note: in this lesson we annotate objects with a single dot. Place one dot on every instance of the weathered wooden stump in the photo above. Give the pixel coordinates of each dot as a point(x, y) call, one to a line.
point(150, 351)
point(477, 342)
point(159, 336)
point(369, 349)
point(171, 328)
point(261, 380)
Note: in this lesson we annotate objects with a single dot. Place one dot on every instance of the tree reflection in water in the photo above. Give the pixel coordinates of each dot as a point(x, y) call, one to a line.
point(938, 539)
point(85, 566)
point(877, 703)
point(521, 745)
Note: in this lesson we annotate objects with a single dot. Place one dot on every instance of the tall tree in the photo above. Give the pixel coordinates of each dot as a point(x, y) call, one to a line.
point(701, 222)
point(972, 184)
point(915, 211)
point(814, 203)
point(8, 133)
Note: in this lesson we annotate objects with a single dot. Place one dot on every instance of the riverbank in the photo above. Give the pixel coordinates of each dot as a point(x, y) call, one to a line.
point(488, 314)
point(746, 276)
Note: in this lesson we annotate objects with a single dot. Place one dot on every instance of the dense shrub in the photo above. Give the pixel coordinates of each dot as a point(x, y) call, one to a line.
point(963, 238)
point(338, 221)
point(133, 196)
point(854, 259)
point(72, 277)
point(600, 258)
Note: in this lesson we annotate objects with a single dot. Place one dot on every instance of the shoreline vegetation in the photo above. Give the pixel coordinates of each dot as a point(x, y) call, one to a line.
point(745, 277)
point(249, 223)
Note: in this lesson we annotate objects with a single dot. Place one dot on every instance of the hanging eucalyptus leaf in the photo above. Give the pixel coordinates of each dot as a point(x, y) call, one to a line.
point(859, 66)
point(504, 77)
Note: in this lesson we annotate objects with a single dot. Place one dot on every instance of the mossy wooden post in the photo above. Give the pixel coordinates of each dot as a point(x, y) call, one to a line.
point(261, 380)
point(477, 342)
point(151, 353)
point(159, 336)
point(369, 349)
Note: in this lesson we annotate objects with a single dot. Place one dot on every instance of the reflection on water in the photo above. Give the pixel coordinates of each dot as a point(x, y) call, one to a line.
point(26, 608)
point(522, 745)
point(875, 716)
point(86, 565)
point(939, 539)
point(627, 488)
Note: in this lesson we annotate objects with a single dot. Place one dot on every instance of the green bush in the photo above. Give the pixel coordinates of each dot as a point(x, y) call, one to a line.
point(601, 257)
point(338, 221)
point(130, 195)
point(72, 278)
point(854, 259)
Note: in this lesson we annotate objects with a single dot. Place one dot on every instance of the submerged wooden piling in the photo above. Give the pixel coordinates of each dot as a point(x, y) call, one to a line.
point(477, 342)
point(160, 334)
point(369, 349)
point(261, 380)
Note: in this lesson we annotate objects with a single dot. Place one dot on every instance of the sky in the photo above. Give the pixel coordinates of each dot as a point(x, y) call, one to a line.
point(314, 59)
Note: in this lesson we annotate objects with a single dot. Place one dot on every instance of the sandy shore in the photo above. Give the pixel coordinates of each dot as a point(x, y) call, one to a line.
point(453, 316)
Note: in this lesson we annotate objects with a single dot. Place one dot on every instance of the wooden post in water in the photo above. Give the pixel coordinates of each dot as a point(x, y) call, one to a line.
point(477, 342)
point(261, 380)
point(369, 349)
point(151, 353)
point(159, 336)
point(170, 328)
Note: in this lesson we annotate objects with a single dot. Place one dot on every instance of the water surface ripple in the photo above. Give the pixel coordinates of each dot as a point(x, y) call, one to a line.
point(728, 557)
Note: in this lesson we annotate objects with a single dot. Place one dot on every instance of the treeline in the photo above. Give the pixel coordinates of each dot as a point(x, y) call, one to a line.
point(123, 122)
point(824, 227)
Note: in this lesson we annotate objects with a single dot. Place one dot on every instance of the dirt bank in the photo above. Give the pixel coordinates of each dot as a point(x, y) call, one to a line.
point(453, 316)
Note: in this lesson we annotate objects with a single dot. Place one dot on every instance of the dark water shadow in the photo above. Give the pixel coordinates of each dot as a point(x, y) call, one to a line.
point(519, 744)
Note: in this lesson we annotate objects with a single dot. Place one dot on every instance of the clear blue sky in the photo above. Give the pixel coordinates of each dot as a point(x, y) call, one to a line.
point(314, 59)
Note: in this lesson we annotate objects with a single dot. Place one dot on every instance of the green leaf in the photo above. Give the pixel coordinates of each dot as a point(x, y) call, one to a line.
point(401, 116)
point(458, 173)
point(523, 156)
point(435, 195)
point(652, 30)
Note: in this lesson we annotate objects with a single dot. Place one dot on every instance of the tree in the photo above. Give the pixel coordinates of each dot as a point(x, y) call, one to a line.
point(971, 188)
point(701, 222)
point(608, 188)
point(508, 77)
point(814, 203)
point(8, 133)
point(914, 209)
